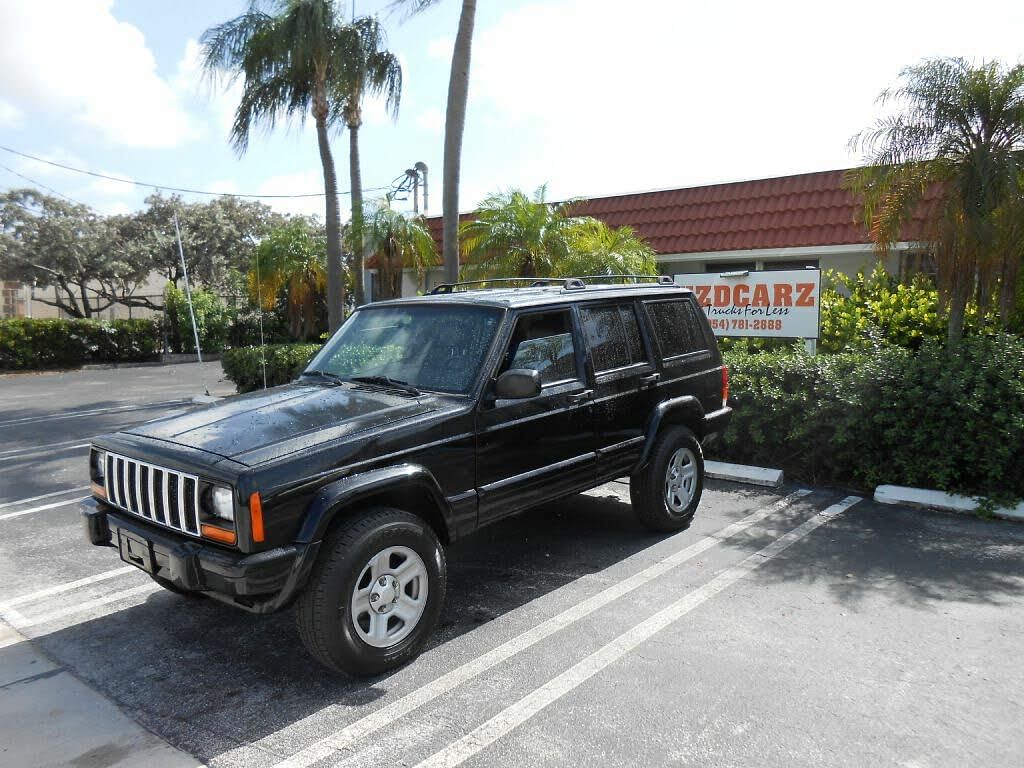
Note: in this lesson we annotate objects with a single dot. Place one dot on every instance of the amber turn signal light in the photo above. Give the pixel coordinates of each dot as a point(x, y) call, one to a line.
point(218, 534)
point(98, 490)
point(256, 516)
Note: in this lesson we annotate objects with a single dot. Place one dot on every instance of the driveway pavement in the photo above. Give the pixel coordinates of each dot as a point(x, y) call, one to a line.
point(799, 627)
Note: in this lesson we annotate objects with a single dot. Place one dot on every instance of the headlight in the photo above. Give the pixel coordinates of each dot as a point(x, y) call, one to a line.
point(221, 503)
point(98, 466)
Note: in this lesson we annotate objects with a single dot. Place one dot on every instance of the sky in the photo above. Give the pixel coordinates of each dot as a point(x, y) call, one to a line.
point(591, 97)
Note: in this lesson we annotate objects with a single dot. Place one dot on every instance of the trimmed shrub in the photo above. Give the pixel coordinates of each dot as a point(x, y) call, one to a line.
point(284, 362)
point(213, 319)
point(40, 344)
point(946, 418)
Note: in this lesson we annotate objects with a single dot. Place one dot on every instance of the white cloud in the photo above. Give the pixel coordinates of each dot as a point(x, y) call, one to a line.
point(440, 48)
point(10, 115)
point(75, 60)
point(299, 183)
point(431, 120)
point(679, 93)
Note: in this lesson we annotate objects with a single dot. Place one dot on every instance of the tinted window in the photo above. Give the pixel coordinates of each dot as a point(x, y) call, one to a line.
point(543, 342)
point(613, 336)
point(432, 347)
point(677, 327)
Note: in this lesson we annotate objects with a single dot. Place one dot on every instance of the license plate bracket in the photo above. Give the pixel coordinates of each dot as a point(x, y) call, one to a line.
point(135, 551)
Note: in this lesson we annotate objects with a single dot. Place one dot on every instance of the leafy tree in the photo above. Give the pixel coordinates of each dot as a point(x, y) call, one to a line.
point(52, 242)
point(292, 62)
point(218, 237)
point(366, 69)
point(597, 249)
point(213, 319)
point(513, 235)
point(953, 152)
point(454, 127)
point(292, 274)
point(396, 241)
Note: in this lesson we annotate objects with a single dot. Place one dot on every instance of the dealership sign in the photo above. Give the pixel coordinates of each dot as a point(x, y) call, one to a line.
point(783, 303)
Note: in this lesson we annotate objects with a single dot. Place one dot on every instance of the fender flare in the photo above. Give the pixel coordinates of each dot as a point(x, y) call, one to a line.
point(333, 497)
point(688, 407)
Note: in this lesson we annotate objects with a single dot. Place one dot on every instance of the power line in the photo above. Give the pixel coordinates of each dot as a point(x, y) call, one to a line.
point(43, 186)
point(167, 188)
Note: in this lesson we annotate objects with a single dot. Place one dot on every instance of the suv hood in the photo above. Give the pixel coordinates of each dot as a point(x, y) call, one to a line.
point(262, 425)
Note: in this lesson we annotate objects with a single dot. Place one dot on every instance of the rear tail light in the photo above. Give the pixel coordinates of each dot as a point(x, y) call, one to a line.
point(725, 385)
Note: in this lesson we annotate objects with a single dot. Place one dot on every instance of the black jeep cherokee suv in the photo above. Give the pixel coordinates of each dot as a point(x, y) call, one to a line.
point(419, 421)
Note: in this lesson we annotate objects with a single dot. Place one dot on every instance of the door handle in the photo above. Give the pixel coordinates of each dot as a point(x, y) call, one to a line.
point(579, 397)
point(650, 379)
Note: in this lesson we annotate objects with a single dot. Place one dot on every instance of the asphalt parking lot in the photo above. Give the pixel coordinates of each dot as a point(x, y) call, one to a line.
point(791, 627)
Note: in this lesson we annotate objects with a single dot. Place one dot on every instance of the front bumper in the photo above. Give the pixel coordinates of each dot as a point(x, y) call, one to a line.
point(261, 583)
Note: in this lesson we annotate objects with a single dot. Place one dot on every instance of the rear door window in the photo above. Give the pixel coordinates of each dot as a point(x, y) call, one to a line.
point(677, 327)
point(613, 336)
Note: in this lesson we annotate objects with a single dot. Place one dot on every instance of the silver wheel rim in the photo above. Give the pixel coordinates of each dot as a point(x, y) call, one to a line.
point(680, 480)
point(389, 597)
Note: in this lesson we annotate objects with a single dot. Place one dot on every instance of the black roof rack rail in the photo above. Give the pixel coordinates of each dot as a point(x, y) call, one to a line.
point(567, 283)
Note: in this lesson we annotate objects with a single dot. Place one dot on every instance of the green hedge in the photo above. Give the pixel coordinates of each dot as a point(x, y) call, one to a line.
point(951, 419)
point(284, 362)
point(39, 344)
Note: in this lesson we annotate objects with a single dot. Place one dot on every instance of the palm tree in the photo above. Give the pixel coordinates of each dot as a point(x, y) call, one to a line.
point(397, 241)
point(294, 61)
point(366, 69)
point(597, 249)
point(291, 269)
point(454, 126)
point(954, 154)
point(516, 235)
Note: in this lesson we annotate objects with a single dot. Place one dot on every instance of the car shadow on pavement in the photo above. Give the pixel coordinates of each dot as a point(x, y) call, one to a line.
point(209, 678)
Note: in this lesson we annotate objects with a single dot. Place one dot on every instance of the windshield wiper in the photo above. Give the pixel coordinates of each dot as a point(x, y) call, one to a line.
point(387, 381)
point(332, 377)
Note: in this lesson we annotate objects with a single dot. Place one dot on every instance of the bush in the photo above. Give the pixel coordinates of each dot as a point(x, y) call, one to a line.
point(213, 319)
point(951, 419)
point(284, 362)
point(39, 344)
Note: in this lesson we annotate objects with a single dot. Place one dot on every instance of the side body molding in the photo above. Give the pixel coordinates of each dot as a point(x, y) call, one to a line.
point(677, 410)
point(334, 496)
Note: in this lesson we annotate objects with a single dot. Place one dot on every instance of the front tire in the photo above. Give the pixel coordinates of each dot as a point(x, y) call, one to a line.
point(375, 593)
point(666, 492)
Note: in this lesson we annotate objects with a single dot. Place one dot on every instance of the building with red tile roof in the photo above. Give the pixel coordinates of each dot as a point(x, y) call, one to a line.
point(808, 219)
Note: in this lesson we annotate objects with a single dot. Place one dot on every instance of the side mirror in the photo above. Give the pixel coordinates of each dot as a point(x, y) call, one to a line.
point(517, 384)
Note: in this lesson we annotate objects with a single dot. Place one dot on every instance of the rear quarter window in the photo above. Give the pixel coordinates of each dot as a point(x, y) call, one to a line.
point(678, 327)
point(613, 336)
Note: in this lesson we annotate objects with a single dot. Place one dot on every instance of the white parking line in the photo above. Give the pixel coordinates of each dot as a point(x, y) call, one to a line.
point(42, 496)
point(21, 622)
point(29, 511)
point(42, 447)
point(398, 709)
point(66, 587)
point(511, 717)
point(92, 412)
point(41, 451)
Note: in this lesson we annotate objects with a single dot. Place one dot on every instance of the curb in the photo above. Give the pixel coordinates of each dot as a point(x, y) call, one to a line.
point(950, 502)
point(741, 473)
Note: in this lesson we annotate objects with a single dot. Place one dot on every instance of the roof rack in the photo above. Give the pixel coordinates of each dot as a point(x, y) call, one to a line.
point(566, 283)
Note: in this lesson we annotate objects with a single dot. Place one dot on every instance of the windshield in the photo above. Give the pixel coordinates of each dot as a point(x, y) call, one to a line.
point(433, 347)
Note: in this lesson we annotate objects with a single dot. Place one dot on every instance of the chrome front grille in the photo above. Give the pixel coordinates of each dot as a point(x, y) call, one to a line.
point(157, 494)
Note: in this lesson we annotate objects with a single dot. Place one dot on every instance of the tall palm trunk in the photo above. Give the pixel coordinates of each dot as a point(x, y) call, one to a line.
point(356, 179)
point(332, 217)
point(455, 123)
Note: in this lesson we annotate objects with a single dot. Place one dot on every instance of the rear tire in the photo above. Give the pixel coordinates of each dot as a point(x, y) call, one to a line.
point(375, 593)
point(667, 491)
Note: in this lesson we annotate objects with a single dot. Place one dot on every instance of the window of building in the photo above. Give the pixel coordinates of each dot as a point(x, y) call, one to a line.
point(543, 342)
point(613, 336)
point(793, 264)
point(677, 327)
point(914, 263)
